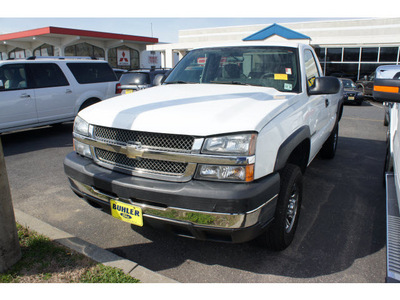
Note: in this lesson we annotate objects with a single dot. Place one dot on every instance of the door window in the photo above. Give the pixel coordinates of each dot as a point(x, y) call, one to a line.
point(47, 75)
point(13, 77)
point(311, 68)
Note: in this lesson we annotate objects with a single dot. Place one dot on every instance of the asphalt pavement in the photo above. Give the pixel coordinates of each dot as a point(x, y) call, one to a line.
point(340, 238)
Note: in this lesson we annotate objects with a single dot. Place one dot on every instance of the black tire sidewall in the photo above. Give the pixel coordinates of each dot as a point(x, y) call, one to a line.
point(277, 237)
point(328, 150)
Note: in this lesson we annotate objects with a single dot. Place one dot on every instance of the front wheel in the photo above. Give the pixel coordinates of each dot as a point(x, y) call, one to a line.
point(281, 232)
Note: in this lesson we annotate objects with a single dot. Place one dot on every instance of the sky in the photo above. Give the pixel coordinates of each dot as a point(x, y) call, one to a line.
point(163, 19)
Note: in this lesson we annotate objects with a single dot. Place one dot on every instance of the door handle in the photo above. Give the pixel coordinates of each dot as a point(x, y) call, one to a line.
point(326, 102)
point(68, 91)
point(25, 95)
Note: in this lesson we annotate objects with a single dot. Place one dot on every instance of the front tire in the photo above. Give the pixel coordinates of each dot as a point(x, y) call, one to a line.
point(281, 232)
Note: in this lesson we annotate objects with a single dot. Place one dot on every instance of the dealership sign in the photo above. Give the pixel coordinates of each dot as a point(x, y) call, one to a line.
point(123, 58)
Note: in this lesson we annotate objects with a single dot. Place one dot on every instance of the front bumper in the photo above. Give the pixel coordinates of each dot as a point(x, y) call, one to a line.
point(233, 212)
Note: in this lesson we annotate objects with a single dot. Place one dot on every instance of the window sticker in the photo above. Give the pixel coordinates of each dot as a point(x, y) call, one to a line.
point(288, 71)
point(311, 81)
point(280, 77)
point(288, 86)
point(201, 60)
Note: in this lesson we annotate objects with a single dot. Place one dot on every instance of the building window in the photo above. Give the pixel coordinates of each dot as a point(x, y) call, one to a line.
point(368, 70)
point(342, 70)
point(84, 49)
point(369, 54)
point(17, 53)
point(388, 54)
point(134, 62)
point(351, 54)
point(321, 54)
point(44, 50)
point(334, 54)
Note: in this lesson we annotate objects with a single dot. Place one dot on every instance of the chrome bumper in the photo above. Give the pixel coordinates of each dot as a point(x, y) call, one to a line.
point(201, 218)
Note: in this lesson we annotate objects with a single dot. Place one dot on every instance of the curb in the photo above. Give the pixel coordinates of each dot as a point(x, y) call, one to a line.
point(95, 253)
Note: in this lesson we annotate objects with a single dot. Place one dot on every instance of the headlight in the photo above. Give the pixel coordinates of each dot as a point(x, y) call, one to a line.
point(226, 173)
point(236, 144)
point(241, 144)
point(81, 126)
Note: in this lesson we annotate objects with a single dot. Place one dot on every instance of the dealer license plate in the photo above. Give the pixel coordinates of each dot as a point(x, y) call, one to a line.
point(126, 212)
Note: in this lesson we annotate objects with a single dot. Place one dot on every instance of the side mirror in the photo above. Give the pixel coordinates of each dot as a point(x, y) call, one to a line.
point(386, 90)
point(158, 79)
point(325, 85)
point(1, 85)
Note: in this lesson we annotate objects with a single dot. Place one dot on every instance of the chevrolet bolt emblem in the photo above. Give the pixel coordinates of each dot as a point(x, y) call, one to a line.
point(134, 149)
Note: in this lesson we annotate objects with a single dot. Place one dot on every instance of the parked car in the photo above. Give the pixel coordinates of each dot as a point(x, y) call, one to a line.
point(119, 72)
point(391, 72)
point(139, 79)
point(351, 94)
point(386, 88)
point(366, 84)
point(36, 92)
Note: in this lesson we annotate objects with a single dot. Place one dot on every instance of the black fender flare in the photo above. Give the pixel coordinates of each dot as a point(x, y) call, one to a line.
point(289, 145)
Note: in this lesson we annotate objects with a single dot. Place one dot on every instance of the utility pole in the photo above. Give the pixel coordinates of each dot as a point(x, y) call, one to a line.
point(10, 251)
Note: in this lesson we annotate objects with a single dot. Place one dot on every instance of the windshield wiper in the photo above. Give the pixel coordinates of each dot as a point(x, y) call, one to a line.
point(230, 82)
point(176, 82)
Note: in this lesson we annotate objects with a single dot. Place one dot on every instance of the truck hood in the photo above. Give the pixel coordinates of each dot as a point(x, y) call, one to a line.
point(191, 109)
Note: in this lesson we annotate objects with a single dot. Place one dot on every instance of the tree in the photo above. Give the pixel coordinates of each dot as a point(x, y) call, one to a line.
point(10, 251)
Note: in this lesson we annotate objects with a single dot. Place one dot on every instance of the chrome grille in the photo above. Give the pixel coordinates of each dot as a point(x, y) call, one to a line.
point(166, 142)
point(159, 166)
point(155, 141)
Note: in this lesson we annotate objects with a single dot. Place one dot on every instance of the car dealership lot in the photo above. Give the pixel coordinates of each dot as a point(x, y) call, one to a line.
point(340, 238)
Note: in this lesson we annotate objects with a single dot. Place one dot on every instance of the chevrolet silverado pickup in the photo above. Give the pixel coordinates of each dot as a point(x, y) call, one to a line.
point(218, 150)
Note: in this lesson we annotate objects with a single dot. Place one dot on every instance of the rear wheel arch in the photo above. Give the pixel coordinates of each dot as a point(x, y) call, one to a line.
point(88, 102)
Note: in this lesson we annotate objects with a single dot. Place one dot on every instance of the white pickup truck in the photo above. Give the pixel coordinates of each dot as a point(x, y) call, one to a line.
point(218, 151)
point(387, 88)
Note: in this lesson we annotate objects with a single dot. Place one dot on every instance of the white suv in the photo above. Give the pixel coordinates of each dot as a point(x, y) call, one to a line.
point(36, 92)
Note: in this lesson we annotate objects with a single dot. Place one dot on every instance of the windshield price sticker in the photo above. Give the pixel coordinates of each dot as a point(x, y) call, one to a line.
point(280, 76)
point(126, 212)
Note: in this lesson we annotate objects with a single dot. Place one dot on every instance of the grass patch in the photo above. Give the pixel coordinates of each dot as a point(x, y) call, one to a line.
point(44, 260)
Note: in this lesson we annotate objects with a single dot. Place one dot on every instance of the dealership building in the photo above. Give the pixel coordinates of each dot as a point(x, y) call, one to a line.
point(347, 48)
point(120, 50)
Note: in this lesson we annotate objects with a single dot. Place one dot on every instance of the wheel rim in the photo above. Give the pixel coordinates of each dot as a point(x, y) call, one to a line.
point(291, 211)
point(335, 139)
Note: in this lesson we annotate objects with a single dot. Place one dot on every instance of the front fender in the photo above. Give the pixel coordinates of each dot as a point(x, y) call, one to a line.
point(289, 145)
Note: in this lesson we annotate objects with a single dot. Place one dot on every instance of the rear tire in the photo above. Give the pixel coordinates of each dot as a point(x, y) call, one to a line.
point(281, 232)
point(328, 150)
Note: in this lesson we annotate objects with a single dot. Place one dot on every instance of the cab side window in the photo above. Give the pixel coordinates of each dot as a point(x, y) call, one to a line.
point(311, 68)
point(13, 77)
point(47, 75)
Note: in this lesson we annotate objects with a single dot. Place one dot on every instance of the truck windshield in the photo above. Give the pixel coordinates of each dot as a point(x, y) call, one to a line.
point(275, 67)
